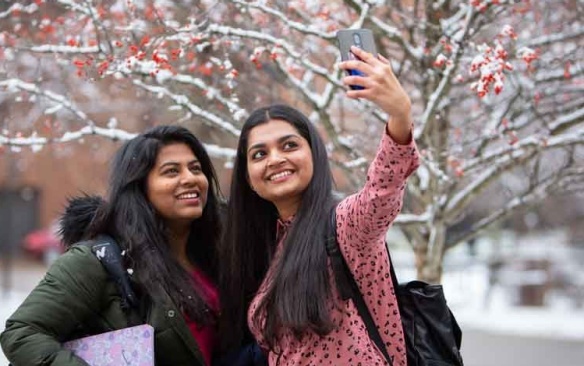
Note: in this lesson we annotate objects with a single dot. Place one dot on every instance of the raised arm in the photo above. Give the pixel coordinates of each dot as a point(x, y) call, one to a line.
point(366, 215)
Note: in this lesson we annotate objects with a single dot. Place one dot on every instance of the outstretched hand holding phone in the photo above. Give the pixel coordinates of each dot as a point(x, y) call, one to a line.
point(380, 85)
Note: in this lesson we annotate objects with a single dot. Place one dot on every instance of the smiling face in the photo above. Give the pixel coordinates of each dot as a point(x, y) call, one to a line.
point(176, 185)
point(279, 164)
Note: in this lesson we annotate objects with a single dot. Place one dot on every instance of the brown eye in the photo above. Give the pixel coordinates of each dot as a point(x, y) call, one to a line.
point(290, 145)
point(258, 155)
point(170, 171)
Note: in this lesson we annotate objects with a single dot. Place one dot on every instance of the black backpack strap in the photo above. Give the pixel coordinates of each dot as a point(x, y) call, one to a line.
point(348, 288)
point(108, 252)
point(336, 257)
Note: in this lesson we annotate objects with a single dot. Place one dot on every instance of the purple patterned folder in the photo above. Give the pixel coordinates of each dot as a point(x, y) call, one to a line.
point(129, 346)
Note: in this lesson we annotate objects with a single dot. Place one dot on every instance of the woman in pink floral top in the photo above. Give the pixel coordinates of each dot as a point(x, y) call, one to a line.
point(281, 282)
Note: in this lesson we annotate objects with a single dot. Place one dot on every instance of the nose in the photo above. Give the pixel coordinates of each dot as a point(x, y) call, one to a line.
point(188, 177)
point(275, 160)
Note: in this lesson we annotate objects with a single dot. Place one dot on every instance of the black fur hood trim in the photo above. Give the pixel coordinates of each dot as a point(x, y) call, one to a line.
point(77, 217)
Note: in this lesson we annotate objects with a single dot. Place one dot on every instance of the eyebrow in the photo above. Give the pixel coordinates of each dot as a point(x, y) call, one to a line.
point(167, 163)
point(263, 144)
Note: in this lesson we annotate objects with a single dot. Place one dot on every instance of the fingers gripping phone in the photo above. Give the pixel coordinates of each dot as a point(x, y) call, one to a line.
point(362, 38)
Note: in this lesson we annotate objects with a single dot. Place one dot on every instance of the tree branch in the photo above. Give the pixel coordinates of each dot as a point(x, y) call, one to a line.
point(529, 198)
point(300, 27)
point(180, 99)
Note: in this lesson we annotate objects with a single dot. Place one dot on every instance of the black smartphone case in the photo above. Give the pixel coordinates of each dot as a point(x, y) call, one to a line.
point(362, 38)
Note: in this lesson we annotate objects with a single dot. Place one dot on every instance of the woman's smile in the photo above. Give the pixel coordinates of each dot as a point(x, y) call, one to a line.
point(190, 198)
point(280, 176)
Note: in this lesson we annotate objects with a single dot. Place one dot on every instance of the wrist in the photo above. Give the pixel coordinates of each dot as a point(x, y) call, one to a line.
point(403, 113)
point(399, 129)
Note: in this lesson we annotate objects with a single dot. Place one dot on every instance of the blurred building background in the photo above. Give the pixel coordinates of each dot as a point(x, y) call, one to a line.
point(517, 287)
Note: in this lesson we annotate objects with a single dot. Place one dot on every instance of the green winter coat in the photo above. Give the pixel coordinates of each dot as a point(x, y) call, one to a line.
point(76, 298)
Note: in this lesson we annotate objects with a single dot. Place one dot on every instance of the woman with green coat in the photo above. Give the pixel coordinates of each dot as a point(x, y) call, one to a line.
point(163, 212)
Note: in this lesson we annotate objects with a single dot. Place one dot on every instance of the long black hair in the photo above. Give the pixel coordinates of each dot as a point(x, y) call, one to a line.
point(129, 217)
point(298, 295)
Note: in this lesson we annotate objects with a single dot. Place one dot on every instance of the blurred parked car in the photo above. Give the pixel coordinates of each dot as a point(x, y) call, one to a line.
point(43, 244)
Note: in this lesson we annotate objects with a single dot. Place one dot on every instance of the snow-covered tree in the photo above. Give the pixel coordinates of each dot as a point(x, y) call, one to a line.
point(497, 87)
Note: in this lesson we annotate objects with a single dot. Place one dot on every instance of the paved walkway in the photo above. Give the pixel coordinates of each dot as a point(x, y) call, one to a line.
point(482, 348)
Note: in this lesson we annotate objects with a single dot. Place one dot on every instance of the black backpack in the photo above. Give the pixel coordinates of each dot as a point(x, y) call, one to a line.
point(431, 333)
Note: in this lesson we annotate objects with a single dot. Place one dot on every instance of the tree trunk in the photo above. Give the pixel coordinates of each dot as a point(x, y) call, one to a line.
point(429, 257)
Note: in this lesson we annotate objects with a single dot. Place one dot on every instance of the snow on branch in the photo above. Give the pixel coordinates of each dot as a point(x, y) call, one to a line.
point(451, 25)
point(77, 7)
point(498, 119)
point(220, 152)
point(572, 182)
point(412, 219)
point(434, 168)
point(423, 124)
point(557, 37)
point(149, 68)
point(560, 141)
point(395, 35)
point(533, 196)
point(392, 32)
point(64, 49)
point(362, 16)
point(458, 201)
point(357, 163)
point(300, 27)
point(13, 85)
point(312, 97)
point(212, 93)
point(36, 142)
point(567, 121)
point(446, 79)
point(88, 10)
point(19, 8)
point(182, 100)
point(559, 74)
point(276, 42)
point(493, 166)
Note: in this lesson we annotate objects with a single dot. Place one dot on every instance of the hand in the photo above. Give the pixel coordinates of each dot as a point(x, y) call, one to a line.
point(382, 88)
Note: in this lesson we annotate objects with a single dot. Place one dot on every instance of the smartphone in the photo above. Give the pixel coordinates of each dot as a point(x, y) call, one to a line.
point(362, 38)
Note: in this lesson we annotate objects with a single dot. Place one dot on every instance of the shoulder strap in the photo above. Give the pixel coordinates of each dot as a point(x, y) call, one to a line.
point(107, 251)
point(348, 287)
point(342, 276)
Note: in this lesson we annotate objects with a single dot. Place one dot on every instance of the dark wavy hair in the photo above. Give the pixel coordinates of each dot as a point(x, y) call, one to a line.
point(297, 297)
point(131, 219)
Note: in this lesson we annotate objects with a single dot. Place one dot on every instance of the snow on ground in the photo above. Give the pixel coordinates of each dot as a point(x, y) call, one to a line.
point(466, 292)
point(8, 304)
point(466, 286)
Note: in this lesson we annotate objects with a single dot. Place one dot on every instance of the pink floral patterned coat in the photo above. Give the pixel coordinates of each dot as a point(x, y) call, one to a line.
point(362, 222)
